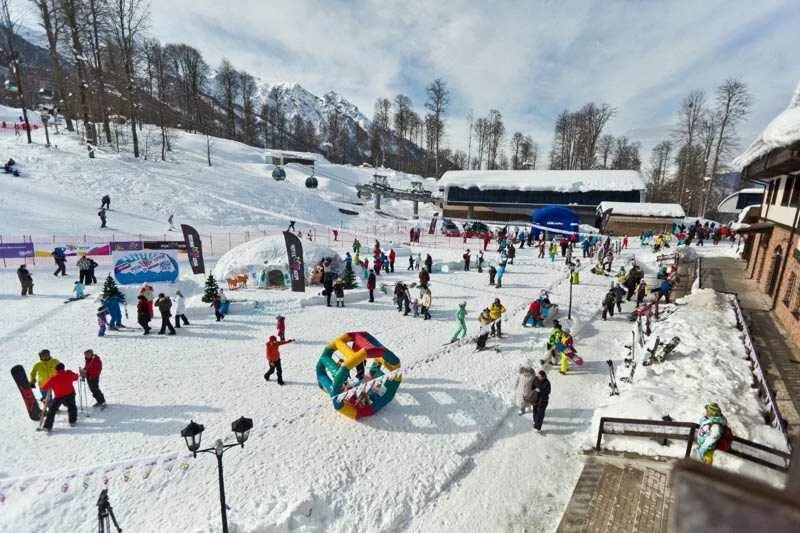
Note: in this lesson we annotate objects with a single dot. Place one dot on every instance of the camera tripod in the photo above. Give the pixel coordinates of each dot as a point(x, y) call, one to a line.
point(105, 514)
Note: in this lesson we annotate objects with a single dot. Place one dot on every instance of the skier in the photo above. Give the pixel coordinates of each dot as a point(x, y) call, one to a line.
point(102, 321)
point(484, 319)
point(280, 324)
point(291, 226)
point(392, 257)
point(426, 304)
point(164, 304)
point(525, 387)
point(113, 306)
point(461, 316)
point(91, 370)
point(480, 261)
point(540, 398)
point(492, 274)
point(25, 280)
point(608, 302)
point(105, 202)
point(61, 261)
point(466, 258)
point(338, 290)
point(180, 310)
point(42, 370)
point(371, 285)
point(102, 215)
point(496, 311)
point(712, 434)
point(143, 314)
point(63, 394)
point(274, 358)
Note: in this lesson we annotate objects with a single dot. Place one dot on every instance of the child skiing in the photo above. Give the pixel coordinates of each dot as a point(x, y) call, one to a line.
point(102, 313)
point(274, 358)
point(91, 370)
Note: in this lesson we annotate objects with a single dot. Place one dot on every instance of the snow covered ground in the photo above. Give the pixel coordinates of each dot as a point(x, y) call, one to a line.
point(447, 454)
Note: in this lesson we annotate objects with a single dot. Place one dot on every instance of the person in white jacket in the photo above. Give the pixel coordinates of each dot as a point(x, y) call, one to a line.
point(180, 309)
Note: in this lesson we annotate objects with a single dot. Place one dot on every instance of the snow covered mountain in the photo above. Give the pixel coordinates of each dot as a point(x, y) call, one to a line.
point(294, 99)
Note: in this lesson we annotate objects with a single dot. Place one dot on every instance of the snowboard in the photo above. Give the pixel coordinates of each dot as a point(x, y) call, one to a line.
point(25, 389)
point(68, 300)
point(573, 356)
point(612, 379)
point(659, 352)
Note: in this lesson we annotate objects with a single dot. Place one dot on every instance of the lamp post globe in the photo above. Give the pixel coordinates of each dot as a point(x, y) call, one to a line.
point(193, 435)
point(241, 428)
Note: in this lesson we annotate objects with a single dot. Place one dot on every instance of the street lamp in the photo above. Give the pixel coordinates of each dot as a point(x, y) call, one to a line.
point(193, 435)
point(571, 278)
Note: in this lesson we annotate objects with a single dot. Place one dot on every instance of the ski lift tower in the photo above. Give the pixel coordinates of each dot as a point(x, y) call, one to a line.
point(379, 183)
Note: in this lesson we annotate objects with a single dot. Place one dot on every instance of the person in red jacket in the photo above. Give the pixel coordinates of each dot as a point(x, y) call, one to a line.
point(534, 313)
point(274, 357)
point(371, 285)
point(91, 372)
point(392, 257)
point(63, 394)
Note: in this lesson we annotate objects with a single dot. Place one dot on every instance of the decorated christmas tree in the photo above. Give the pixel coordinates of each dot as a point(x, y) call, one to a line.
point(349, 278)
point(211, 290)
point(110, 288)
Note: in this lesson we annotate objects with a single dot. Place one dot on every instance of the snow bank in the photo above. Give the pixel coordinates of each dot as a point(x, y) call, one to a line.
point(545, 180)
point(782, 131)
point(644, 209)
point(270, 253)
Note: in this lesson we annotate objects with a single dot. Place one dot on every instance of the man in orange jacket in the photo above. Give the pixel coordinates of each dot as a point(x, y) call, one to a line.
point(274, 357)
point(63, 394)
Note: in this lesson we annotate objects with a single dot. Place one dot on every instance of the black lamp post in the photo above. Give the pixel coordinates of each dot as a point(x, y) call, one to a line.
point(571, 277)
point(193, 434)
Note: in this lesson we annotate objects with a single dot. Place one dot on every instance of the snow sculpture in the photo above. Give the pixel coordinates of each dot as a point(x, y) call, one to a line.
point(375, 383)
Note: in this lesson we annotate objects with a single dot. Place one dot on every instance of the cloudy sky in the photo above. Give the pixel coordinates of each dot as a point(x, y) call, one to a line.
point(528, 59)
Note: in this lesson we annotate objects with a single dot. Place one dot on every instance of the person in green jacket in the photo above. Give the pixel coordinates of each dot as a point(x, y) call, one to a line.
point(461, 316)
point(552, 342)
point(43, 370)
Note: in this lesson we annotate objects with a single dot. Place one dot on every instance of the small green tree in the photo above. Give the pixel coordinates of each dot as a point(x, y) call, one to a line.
point(349, 278)
point(211, 290)
point(110, 288)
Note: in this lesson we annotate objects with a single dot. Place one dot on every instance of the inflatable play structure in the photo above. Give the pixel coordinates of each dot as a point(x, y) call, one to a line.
point(377, 374)
point(555, 217)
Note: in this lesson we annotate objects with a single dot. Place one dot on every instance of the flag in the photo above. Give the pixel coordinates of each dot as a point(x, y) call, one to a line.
point(294, 250)
point(194, 248)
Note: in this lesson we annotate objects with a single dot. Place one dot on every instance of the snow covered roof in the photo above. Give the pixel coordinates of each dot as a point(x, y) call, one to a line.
point(545, 180)
point(782, 131)
point(643, 209)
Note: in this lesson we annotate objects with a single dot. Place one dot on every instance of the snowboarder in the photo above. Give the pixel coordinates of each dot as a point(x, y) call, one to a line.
point(143, 314)
point(426, 304)
point(539, 398)
point(552, 341)
point(91, 370)
point(711, 434)
point(496, 311)
point(480, 261)
point(492, 274)
point(180, 310)
point(338, 290)
point(102, 215)
point(466, 258)
point(525, 388)
point(63, 394)
point(105, 202)
point(25, 280)
point(274, 358)
point(164, 304)
point(461, 316)
point(484, 319)
point(280, 324)
point(78, 291)
point(392, 257)
point(61, 261)
point(43, 370)
point(371, 285)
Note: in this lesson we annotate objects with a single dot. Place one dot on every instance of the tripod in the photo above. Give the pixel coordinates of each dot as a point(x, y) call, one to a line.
point(104, 513)
point(82, 397)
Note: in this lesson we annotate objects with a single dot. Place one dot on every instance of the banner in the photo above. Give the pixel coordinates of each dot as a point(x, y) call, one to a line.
point(145, 267)
point(164, 245)
point(71, 250)
point(126, 246)
point(194, 247)
point(434, 220)
point(297, 271)
point(15, 250)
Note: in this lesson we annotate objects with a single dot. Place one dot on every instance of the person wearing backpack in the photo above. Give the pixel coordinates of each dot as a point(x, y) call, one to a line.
point(713, 434)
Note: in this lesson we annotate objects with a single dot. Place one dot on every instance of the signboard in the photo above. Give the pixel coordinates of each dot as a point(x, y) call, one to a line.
point(71, 250)
point(145, 267)
point(15, 250)
point(164, 245)
point(126, 246)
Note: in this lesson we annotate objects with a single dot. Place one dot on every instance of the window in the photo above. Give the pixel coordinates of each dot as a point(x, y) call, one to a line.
point(787, 296)
point(775, 189)
point(768, 196)
point(787, 190)
point(795, 201)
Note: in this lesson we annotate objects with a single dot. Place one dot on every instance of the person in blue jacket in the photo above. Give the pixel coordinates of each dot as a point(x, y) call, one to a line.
point(585, 244)
point(114, 306)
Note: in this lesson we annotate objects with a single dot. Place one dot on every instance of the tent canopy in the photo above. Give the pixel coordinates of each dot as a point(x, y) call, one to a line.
point(555, 217)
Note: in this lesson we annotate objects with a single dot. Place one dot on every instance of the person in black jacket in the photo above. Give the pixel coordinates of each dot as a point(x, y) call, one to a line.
point(164, 304)
point(25, 280)
point(429, 263)
point(327, 282)
point(61, 261)
point(541, 395)
point(608, 303)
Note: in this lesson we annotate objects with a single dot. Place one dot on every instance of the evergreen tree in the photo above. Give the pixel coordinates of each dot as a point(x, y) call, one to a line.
point(110, 288)
point(349, 278)
point(211, 290)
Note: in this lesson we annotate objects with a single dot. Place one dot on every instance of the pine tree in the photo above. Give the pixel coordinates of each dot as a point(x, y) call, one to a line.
point(349, 278)
point(211, 290)
point(110, 288)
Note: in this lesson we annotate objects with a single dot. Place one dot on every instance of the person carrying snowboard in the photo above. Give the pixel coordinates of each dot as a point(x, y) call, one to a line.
point(143, 314)
point(25, 280)
point(43, 370)
point(461, 317)
point(91, 370)
point(274, 358)
point(712, 434)
point(496, 311)
point(63, 393)
point(164, 304)
point(552, 341)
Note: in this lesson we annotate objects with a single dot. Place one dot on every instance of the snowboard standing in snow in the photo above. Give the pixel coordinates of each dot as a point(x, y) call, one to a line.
point(660, 351)
point(612, 379)
point(25, 389)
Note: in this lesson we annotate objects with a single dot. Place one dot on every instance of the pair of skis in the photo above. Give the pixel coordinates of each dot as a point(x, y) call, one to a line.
point(630, 359)
point(612, 379)
point(659, 352)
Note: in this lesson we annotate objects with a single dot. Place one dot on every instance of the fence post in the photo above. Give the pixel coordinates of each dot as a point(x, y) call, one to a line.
point(691, 441)
point(600, 433)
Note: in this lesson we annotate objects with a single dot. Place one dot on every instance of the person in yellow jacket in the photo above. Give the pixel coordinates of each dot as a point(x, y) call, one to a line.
point(43, 370)
point(563, 346)
point(496, 311)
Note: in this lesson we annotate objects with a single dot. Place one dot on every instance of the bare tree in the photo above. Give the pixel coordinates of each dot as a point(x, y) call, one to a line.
point(626, 155)
point(659, 164)
point(190, 71)
point(379, 134)
point(516, 146)
point(496, 130)
point(605, 145)
point(247, 88)
point(689, 157)
point(402, 123)
point(9, 26)
point(52, 24)
point(157, 57)
point(438, 99)
point(528, 153)
point(227, 81)
point(96, 14)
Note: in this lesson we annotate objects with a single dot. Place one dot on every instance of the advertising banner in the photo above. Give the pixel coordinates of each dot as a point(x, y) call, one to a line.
point(294, 250)
point(71, 250)
point(164, 245)
point(126, 246)
point(16, 250)
point(194, 247)
point(145, 267)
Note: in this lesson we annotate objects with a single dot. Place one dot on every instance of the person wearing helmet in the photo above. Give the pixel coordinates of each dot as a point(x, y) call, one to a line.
point(274, 357)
